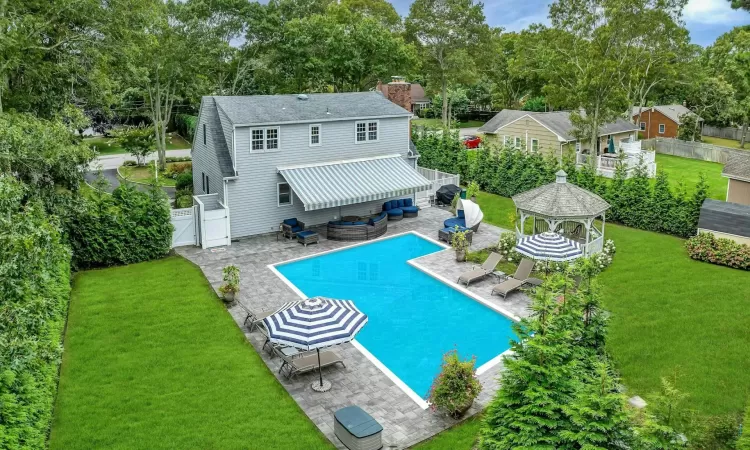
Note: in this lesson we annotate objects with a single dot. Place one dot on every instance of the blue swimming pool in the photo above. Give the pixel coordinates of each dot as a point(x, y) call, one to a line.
point(413, 317)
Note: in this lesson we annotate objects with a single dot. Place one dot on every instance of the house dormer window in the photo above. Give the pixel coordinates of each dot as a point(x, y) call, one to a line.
point(314, 135)
point(264, 139)
point(366, 131)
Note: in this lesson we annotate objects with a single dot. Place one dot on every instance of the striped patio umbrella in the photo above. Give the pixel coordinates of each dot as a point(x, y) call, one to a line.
point(315, 323)
point(549, 246)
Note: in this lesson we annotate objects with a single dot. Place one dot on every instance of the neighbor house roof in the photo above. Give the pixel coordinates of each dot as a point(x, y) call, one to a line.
point(724, 217)
point(737, 167)
point(339, 183)
point(558, 122)
point(292, 108)
point(673, 112)
point(418, 95)
point(561, 199)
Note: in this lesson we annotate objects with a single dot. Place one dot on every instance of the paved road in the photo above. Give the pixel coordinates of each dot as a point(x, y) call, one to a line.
point(115, 161)
point(111, 176)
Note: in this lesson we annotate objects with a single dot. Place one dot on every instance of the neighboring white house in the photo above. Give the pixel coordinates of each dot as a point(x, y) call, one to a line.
point(552, 132)
point(258, 160)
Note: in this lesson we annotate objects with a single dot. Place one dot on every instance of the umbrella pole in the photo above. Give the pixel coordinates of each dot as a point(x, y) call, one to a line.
point(320, 369)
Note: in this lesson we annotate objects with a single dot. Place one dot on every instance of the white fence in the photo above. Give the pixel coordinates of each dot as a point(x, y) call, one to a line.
point(438, 179)
point(606, 165)
point(726, 133)
point(184, 224)
point(692, 150)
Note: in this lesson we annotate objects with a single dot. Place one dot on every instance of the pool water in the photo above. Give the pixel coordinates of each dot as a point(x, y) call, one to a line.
point(413, 318)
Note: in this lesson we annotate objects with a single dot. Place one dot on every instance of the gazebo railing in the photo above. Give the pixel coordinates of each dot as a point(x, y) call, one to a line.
point(595, 246)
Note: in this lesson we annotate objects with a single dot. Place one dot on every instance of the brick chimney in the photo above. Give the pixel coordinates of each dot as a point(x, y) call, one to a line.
point(398, 91)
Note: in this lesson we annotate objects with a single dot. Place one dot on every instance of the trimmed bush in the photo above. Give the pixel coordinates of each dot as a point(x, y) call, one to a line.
point(725, 252)
point(184, 181)
point(34, 288)
point(126, 227)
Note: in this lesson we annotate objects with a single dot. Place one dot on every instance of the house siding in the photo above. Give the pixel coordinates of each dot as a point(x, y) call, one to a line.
point(528, 129)
point(204, 156)
point(253, 196)
point(738, 191)
point(653, 119)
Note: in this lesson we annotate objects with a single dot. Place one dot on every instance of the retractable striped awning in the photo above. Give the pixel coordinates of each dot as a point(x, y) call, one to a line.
point(339, 183)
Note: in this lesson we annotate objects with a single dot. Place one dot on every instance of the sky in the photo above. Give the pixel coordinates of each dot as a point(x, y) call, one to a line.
point(705, 19)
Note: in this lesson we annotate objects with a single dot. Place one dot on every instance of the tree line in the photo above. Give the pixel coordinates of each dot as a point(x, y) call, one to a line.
point(153, 58)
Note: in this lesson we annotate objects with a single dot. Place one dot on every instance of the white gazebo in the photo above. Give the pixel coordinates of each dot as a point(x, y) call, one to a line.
point(566, 209)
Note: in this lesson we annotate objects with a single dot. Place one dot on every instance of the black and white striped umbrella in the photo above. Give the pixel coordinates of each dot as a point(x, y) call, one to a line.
point(549, 246)
point(315, 323)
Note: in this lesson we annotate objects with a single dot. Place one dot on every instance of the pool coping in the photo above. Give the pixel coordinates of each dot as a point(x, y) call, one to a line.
point(421, 402)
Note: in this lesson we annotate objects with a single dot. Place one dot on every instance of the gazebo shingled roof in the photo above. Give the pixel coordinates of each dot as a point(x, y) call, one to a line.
point(561, 199)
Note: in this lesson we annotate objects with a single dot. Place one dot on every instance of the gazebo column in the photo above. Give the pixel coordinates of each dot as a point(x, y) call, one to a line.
point(588, 223)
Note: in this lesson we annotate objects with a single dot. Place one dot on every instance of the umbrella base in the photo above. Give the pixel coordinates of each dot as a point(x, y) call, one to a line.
point(315, 385)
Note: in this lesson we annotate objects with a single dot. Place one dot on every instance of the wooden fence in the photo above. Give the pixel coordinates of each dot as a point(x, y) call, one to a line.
point(726, 133)
point(692, 150)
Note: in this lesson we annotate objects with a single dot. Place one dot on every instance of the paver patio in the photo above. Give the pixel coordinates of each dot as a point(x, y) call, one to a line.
point(361, 382)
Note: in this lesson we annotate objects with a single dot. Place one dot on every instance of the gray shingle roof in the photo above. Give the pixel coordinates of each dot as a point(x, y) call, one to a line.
point(221, 146)
point(247, 110)
point(672, 111)
point(731, 218)
point(561, 199)
point(737, 166)
point(557, 121)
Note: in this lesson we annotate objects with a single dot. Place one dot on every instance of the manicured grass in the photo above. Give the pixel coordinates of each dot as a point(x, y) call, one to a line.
point(153, 361)
point(108, 146)
point(670, 313)
point(454, 124)
point(143, 174)
point(688, 172)
point(461, 437)
point(723, 142)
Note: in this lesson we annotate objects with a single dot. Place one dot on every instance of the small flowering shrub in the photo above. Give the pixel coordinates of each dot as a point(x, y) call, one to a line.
point(603, 259)
point(726, 252)
point(506, 247)
point(456, 387)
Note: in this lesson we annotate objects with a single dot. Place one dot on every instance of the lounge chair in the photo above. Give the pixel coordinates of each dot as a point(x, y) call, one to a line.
point(480, 272)
point(307, 362)
point(520, 278)
point(252, 317)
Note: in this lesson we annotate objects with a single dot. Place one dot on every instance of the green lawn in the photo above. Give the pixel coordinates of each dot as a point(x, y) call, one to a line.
point(108, 146)
point(439, 123)
point(670, 314)
point(688, 172)
point(143, 174)
point(153, 361)
point(723, 142)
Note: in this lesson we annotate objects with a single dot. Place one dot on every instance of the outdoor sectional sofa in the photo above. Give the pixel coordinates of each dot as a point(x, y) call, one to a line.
point(358, 231)
point(398, 209)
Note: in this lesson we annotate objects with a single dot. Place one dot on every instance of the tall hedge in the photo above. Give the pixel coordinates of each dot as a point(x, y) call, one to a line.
point(665, 207)
point(185, 125)
point(34, 290)
point(126, 227)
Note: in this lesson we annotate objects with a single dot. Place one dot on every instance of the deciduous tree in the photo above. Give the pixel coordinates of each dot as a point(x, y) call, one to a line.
point(445, 31)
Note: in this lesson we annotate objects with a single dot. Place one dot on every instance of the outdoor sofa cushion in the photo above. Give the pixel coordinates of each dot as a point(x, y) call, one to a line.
point(408, 202)
point(387, 205)
point(291, 222)
point(395, 212)
point(306, 233)
point(409, 209)
point(460, 214)
point(455, 221)
point(401, 203)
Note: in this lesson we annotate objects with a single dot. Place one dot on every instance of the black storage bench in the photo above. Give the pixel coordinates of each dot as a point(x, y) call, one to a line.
point(357, 430)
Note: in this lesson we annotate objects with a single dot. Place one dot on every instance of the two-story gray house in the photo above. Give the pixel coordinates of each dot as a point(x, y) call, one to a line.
point(259, 160)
